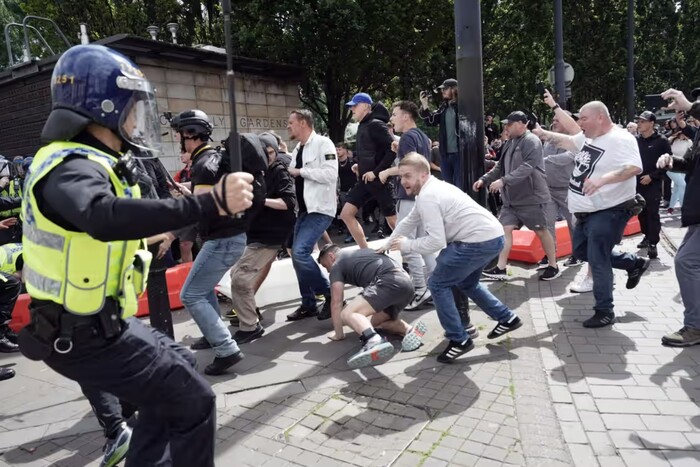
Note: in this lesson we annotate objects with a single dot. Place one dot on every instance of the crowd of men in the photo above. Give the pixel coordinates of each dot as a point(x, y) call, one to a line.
point(585, 170)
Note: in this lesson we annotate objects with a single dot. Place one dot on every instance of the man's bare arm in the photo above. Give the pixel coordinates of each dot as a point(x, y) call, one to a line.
point(337, 293)
point(560, 140)
point(621, 174)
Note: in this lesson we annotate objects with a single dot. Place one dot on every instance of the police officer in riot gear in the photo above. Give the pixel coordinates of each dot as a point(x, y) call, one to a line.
point(85, 263)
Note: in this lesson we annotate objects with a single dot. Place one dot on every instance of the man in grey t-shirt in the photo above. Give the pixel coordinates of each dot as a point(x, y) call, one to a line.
point(387, 289)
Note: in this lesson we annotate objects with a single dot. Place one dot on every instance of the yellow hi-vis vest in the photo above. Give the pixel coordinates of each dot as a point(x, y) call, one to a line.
point(8, 257)
point(72, 268)
point(14, 190)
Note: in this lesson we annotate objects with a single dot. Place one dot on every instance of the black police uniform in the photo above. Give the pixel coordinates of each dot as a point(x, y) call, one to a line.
point(138, 365)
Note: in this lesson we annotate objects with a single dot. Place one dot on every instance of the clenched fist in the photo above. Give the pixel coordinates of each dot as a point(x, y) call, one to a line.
point(234, 193)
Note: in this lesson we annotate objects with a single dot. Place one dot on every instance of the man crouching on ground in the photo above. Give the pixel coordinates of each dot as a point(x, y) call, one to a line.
point(467, 236)
point(387, 291)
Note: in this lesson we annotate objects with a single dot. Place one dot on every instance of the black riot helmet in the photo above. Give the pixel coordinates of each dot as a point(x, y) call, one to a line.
point(193, 122)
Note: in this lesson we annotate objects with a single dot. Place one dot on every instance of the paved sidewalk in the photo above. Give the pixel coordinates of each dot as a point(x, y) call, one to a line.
point(552, 393)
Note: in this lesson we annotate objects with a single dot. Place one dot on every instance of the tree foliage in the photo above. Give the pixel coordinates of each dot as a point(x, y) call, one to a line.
point(393, 49)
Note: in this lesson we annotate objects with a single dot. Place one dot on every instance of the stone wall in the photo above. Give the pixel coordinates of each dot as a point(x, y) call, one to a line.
point(262, 104)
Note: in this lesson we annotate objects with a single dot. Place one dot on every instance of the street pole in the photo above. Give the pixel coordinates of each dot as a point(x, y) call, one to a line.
point(630, 61)
point(234, 141)
point(559, 53)
point(471, 94)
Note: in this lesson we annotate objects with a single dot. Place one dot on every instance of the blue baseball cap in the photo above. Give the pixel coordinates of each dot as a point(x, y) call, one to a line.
point(360, 98)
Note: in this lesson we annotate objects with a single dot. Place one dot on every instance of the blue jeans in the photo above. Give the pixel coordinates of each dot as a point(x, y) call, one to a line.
point(451, 169)
point(307, 231)
point(678, 190)
point(214, 260)
point(460, 265)
point(687, 264)
point(595, 236)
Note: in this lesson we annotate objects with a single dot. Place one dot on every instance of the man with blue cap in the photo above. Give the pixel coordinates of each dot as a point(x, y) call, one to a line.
point(373, 154)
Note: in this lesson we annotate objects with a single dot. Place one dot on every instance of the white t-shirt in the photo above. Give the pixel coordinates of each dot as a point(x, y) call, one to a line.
point(607, 153)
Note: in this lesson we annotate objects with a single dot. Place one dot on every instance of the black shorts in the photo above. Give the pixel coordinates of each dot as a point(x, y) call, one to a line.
point(390, 293)
point(187, 234)
point(363, 192)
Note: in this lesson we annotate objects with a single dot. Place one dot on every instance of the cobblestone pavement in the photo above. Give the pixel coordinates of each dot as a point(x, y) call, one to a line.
point(552, 393)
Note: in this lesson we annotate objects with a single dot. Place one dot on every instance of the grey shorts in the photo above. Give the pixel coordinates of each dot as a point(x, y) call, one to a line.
point(390, 292)
point(531, 216)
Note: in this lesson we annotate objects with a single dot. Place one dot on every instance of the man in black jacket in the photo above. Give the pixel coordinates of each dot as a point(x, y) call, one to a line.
point(224, 242)
point(447, 118)
point(372, 155)
point(687, 258)
point(652, 145)
point(265, 238)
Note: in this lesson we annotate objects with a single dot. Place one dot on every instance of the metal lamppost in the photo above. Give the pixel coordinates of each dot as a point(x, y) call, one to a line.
point(630, 61)
point(471, 94)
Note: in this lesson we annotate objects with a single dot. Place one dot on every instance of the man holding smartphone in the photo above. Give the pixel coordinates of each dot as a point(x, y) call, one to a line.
point(447, 118)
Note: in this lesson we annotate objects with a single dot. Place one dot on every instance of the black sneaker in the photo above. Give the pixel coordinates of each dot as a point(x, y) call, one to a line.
point(506, 327)
point(573, 261)
point(200, 344)
point(9, 334)
point(8, 347)
point(325, 312)
point(472, 331)
point(301, 313)
point(496, 273)
point(454, 350)
point(652, 252)
point(634, 275)
point(544, 262)
point(243, 337)
point(221, 364)
point(6, 373)
point(550, 273)
point(643, 244)
point(600, 319)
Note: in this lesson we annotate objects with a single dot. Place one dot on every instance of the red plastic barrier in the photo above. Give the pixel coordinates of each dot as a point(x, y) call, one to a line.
point(632, 227)
point(20, 314)
point(175, 278)
point(528, 248)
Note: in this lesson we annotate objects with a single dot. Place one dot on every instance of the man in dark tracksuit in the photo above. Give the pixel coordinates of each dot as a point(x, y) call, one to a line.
point(372, 154)
point(652, 145)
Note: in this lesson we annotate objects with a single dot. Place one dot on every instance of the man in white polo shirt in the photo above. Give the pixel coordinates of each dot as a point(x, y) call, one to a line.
point(467, 237)
point(602, 194)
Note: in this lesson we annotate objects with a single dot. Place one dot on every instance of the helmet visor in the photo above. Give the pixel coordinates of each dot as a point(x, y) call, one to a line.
point(140, 124)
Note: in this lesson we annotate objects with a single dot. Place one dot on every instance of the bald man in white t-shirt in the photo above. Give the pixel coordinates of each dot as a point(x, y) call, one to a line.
point(602, 192)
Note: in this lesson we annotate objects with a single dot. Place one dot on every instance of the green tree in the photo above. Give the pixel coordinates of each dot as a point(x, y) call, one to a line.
point(385, 48)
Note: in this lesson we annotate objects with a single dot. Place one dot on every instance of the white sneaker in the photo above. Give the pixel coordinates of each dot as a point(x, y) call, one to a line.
point(585, 285)
point(418, 299)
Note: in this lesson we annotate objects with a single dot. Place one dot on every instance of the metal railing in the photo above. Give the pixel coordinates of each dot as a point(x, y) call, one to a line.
point(26, 50)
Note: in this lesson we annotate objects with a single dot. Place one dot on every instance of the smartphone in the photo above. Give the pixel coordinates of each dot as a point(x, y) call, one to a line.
point(541, 89)
point(654, 102)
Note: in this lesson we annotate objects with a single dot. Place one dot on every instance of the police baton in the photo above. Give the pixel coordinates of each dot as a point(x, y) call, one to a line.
point(234, 141)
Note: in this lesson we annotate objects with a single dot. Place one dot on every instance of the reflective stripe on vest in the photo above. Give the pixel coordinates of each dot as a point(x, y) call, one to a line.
point(72, 268)
point(9, 253)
